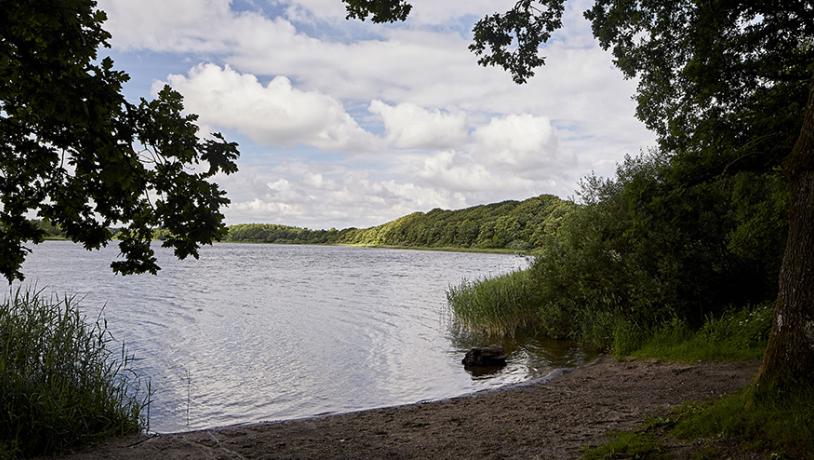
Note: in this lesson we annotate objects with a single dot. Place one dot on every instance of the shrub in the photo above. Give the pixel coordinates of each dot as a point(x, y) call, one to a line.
point(649, 252)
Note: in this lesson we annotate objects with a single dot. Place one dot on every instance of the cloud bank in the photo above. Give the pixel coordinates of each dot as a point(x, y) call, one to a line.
point(350, 123)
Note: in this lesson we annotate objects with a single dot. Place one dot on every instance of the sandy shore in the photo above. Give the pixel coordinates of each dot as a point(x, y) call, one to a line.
point(540, 420)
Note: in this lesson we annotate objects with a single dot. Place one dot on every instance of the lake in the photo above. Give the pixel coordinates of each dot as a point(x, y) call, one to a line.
point(252, 332)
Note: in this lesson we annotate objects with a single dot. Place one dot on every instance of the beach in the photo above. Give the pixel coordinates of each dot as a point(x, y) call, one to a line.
point(551, 418)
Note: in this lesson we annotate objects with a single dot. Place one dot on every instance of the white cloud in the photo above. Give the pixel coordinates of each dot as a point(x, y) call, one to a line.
point(343, 197)
point(280, 185)
point(454, 134)
point(176, 25)
point(411, 126)
point(505, 157)
point(318, 181)
point(428, 67)
point(282, 212)
point(518, 142)
point(424, 12)
point(274, 114)
point(435, 12)
point(320, 195)
point(452, 170)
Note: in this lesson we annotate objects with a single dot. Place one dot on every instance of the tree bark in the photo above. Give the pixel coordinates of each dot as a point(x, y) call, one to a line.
point(789, 357)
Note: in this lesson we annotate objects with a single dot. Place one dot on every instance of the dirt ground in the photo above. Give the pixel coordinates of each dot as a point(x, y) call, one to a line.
point(538, 420)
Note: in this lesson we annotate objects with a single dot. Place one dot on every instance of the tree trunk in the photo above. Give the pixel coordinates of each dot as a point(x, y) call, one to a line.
point(789, 357)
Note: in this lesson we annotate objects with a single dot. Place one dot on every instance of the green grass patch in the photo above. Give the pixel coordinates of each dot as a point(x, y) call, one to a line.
point(628, 445)
point(739, 425)
point(782, 427)
point(63, 381)
point(501, 306)
point(736, 335)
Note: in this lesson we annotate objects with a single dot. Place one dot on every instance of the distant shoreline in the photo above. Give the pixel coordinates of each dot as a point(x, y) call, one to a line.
point(416, 248)
point(365, 246)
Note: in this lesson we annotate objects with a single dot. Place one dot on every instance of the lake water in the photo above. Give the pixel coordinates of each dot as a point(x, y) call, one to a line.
point(268, 332)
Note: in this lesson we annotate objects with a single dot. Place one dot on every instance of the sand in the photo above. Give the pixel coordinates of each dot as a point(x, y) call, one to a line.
point(545, 419)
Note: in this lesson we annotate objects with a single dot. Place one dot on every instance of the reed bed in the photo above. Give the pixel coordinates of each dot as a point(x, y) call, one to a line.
point(502, 306)
point(64, 382)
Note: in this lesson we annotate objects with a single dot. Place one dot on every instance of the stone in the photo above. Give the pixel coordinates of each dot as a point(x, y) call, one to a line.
point(485, 357)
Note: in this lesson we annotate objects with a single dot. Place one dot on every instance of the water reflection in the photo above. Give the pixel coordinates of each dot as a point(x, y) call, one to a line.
point(528, 356)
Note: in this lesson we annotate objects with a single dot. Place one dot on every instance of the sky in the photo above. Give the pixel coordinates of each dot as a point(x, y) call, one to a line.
point(348, 123)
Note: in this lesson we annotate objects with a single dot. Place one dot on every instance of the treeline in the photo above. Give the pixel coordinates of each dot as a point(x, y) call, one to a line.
point(280, 234)
point(50, 230)
point(516, 225)
point(520, 225)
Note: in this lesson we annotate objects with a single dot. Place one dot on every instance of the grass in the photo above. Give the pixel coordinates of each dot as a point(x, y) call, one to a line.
point(781, 427)
point(737, 335)
point(501, 306)
point(735, 426)
point(63, 381)
point(764, 425)
point(628, 445)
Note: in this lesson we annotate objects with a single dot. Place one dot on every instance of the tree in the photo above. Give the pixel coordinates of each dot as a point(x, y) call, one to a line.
point(75, 152)
point(725, 84)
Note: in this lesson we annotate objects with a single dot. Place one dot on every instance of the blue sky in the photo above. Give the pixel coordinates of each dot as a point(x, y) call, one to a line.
point(352, 124)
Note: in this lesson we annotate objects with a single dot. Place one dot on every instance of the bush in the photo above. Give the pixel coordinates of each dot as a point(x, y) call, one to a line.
point(61, 384)
point(655, 250)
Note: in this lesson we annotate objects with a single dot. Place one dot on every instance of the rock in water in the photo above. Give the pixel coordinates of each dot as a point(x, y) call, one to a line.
point(484, 356)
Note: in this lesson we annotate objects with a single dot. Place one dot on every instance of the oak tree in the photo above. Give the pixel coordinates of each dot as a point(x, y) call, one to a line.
point(74, 151)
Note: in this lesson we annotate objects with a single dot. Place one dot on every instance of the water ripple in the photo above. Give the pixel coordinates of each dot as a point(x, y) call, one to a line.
point(264, 332)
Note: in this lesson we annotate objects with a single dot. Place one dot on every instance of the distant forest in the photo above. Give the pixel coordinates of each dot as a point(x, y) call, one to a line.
point(516, 225)
point(520, 225)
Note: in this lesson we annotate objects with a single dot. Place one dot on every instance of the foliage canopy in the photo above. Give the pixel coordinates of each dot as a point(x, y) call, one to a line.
point(75, 152)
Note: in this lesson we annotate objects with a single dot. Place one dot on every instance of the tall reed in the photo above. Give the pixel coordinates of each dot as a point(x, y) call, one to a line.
point(63, 381)
point(501, 306)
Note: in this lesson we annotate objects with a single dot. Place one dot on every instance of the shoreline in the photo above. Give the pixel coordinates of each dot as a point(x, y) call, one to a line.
point(545, 379)
point(551, 417)
point(409, 248)
point(506, 251)
point(443, 249)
